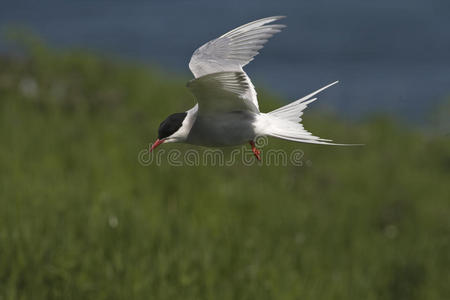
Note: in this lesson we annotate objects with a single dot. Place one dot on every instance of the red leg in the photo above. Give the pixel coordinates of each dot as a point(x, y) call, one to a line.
point(255, 151)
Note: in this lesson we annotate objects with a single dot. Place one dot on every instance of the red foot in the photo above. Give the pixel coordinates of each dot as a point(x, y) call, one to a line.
point(255, 151)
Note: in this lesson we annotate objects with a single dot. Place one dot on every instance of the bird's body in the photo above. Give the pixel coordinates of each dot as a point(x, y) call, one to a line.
point(223, 129)
point(227, 112)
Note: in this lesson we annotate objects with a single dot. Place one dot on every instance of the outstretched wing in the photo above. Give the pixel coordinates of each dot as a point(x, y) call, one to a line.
point(222, 92)
point(233, 50)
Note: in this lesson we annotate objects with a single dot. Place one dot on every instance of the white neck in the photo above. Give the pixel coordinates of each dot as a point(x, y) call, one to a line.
point(181, 134)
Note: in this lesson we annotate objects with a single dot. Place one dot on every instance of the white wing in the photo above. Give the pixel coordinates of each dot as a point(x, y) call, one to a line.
point(233, 50)
point(221, 92)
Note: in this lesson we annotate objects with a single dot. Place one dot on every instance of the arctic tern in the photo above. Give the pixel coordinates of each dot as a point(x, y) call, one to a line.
point(227, 111)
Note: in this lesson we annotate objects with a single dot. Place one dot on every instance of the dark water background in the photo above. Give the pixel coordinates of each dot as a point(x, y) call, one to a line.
point(390, 56)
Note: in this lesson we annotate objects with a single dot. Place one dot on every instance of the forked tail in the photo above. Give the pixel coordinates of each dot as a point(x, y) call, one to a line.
point(284, 122)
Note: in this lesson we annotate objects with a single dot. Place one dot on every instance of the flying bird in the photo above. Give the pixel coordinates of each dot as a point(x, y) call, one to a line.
point(227, 111)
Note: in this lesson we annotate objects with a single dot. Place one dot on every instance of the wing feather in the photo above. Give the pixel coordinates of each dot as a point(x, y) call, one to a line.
point(221, 92)
point(233, 50)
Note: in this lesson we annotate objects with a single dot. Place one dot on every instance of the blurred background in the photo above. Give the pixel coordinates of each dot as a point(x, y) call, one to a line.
point(84, 86)
point(390, 56)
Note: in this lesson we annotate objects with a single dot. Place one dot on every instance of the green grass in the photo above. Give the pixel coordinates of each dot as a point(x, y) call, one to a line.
point(81, 218)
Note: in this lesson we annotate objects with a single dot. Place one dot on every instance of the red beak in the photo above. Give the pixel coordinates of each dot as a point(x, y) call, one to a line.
point(156, 144)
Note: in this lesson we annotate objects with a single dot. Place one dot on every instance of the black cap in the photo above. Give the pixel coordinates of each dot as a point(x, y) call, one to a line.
point(170, 125)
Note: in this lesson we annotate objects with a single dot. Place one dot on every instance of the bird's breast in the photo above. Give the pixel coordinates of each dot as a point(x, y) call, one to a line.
point(222, 129)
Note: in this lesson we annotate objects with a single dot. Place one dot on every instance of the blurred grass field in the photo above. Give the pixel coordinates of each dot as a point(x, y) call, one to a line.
point(81, 218)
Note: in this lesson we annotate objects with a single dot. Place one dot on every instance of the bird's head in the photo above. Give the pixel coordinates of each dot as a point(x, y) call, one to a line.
point(173, 129)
